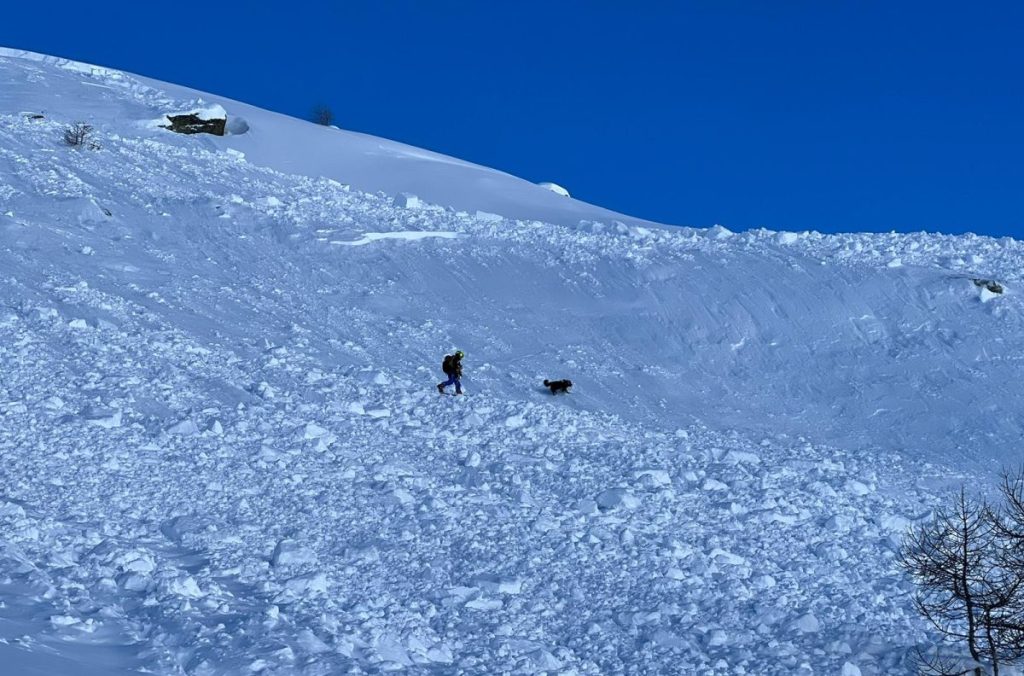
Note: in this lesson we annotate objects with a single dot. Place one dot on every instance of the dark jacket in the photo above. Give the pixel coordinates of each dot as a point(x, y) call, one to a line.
point(452, 365)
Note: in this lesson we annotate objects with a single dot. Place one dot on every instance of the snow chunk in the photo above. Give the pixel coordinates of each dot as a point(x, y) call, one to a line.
point(485, 604)
point(291, 553)
point(787, 238)
point(657, 477)
point(720, 232)
point(714, 485)
point(722, 556)
point(500, 584)
point(667, 639)
point(211, 112)
point(717, 637)
point(101, 417)
point(985, 295)
point(806, 624)
point(894, 523)
point(403, 497)
point(739, 457)
point(617, 497)
point(314, 583)
point(407, 200)
point(237, 126)
point(514, 422)
point(186, 428)
point(136, 562)
point(555, 188)
point(487, 217)
point(63, 620)
point(542, 660)
point(265, 391)
point(312, 643)
point(857, 487)
point(406, 235)
point(675, 574)
point(312, 431)
point(184, 586)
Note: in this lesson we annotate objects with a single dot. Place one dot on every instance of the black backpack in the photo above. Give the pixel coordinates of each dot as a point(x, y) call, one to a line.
point(448, 365)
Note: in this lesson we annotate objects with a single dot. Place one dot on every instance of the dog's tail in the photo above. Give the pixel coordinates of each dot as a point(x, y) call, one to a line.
point(546, 382)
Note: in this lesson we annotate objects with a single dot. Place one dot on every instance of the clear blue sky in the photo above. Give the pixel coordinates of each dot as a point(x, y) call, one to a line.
point(793, 115)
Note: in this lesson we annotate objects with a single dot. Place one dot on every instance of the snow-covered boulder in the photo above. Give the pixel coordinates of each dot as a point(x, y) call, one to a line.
point(210, 120)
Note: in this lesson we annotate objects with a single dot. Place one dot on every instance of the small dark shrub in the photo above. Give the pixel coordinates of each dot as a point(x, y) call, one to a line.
point(322, 115)
point(79, 134)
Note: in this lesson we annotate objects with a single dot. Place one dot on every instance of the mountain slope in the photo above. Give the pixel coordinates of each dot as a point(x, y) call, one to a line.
point(117, 100)
point(223, 451)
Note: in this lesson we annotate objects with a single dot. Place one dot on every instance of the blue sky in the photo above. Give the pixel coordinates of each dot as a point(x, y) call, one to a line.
point(786, 114)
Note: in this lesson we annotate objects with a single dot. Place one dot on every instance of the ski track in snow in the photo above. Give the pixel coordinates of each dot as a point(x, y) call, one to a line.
point(222, 451)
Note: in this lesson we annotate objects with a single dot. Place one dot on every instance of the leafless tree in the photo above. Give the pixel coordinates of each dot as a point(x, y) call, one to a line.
point(322, 115)
point(78, 135)
point(970, 585)
point(1011, 527)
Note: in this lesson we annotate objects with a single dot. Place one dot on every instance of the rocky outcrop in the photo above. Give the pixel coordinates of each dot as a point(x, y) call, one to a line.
point(194, 123)
point(994, 287)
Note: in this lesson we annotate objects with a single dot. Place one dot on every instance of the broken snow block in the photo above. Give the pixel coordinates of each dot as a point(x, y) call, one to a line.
point(407, 200)
point(194, 123)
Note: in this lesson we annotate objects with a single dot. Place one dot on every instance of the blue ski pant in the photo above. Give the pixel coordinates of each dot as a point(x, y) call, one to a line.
point(453, 380)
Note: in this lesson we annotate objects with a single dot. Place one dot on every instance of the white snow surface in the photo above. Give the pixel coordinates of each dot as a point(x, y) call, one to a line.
point(222, 451)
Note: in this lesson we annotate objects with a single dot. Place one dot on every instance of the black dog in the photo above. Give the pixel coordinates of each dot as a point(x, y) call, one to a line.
point(558, 385)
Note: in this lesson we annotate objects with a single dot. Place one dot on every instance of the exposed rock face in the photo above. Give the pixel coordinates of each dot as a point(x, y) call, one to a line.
point(192, 123)
point(994, 287)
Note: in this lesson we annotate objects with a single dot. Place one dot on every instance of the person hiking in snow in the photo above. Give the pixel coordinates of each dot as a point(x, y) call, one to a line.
point(452, 367)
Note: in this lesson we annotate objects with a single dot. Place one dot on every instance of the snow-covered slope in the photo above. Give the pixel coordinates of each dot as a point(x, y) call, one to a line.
point(222, 451)
point(116, 100)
